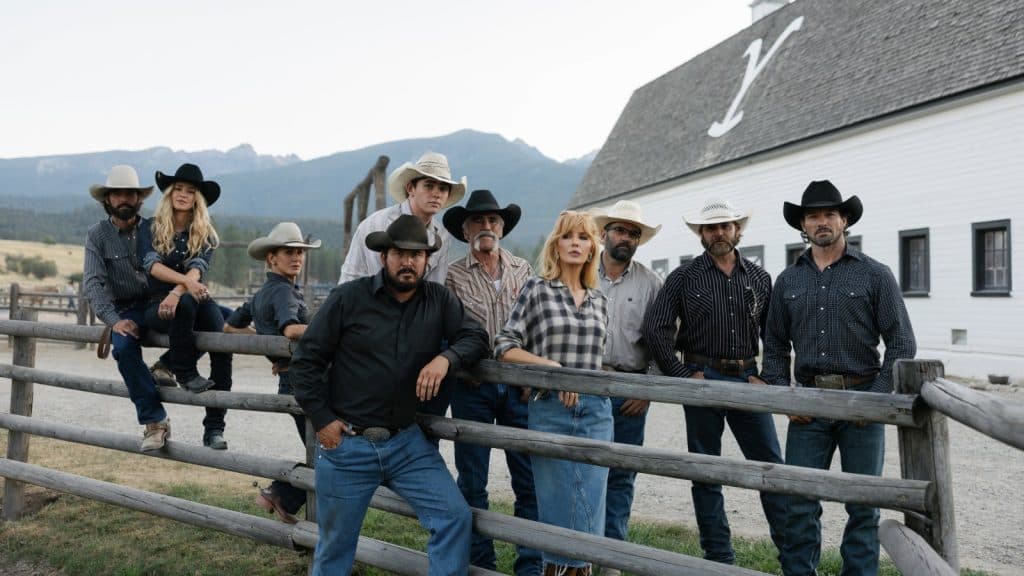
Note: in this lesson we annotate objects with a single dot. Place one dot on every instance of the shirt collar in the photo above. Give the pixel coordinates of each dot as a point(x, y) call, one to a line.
point(848, 251)
point(275, 277)
point(406, 208)
point(705, 261)
point(629, 268)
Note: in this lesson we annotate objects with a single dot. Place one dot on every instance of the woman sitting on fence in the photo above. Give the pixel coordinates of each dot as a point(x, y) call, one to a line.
point(278, 309)
point(559, 320)
point(181, 241)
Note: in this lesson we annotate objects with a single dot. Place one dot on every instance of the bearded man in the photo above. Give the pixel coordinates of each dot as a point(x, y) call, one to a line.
point(117, 287)
point(720, 301)
point(367, 359)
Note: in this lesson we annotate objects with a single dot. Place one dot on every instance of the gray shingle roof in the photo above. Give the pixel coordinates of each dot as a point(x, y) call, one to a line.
point(850, 62)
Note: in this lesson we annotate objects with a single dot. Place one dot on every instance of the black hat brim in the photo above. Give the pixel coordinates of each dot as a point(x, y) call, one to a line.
point(456, 216)
point(380, 241)
point(851, 207)
point(208, 188)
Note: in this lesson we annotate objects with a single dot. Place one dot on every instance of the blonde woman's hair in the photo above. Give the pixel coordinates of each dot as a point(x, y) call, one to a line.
point(201, 235)
point(570, 221)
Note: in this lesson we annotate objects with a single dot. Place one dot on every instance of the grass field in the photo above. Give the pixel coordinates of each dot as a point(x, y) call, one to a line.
point(68, 258)
point(79, 537)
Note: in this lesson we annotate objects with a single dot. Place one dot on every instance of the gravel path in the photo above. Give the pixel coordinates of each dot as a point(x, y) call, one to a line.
point(987, 474)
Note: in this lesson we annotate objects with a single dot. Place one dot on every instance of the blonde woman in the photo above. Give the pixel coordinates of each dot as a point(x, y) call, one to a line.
point(181, 241)
point(559, 320)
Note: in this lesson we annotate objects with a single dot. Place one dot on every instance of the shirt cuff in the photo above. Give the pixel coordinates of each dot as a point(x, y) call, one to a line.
point(455, 363)
point(322, 418)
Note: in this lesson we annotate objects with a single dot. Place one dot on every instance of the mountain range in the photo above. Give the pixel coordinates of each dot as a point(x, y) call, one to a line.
point(287, 187)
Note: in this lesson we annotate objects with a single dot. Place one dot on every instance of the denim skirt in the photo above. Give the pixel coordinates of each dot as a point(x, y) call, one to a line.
point(571, 494)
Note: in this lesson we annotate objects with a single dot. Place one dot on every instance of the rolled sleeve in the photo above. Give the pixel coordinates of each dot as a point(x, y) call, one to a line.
point(151, 258)
point(242, 316)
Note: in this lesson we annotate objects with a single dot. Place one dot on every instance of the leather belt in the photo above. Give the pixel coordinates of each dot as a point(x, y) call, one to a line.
point(376, 433)
point(608, 368)
point(840, 381)
point(726, 366)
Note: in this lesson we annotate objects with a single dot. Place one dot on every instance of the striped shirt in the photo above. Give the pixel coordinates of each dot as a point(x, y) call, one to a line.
point(546, 322)
point(833, 319)
point(719, 316)
point(628, 296)
point(491, 306)
point(113, 278)
point(361, 261)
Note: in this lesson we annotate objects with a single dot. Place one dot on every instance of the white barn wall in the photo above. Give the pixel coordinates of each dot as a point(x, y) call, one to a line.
point(945, 169)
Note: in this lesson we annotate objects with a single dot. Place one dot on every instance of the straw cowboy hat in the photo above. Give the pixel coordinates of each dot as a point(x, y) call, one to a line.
point(406, 232)
point(717, 211)
point(193, 175)
point(284, 235)
point(122, 177)
point(822, 194)
point(430, 165)
point(481, 202)
point(627, 211)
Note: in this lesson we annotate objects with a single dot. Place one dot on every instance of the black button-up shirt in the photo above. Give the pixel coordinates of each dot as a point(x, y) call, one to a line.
point(372, 349)
point(275, 306)
point(719, 316)
point(833, 319)
point(113, 276)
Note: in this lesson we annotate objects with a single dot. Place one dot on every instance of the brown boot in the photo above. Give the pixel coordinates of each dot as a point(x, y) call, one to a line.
point(156, 435)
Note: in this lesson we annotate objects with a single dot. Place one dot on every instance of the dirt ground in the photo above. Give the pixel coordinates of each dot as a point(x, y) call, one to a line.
point(987, 474)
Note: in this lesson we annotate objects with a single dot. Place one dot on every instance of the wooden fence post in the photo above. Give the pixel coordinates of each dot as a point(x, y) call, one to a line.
point(924, 455)
point(24, 354)
point(12, 309)
point(82, 313)
point(311, 442)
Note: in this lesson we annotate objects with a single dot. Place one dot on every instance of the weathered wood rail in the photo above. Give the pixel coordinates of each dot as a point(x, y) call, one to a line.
point(923, 493)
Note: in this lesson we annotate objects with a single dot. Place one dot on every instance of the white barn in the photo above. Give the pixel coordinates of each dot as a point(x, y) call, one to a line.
point(915, 106)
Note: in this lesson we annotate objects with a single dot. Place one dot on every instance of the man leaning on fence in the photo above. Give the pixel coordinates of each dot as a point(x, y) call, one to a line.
point(830, 307)
point(720, 300)
point(630, 288)
point(377, 340)
point(488, 281)
point(117, 287)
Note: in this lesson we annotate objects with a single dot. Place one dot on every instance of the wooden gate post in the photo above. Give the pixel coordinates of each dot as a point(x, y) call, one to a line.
point(924, 455)
point(24, 354)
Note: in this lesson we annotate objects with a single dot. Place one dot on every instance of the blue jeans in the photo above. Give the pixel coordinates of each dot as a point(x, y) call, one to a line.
point(292, 498)
point(494, 403)
point(190, 316)
point(346, 478)
point(571, 494)
point(133, 369)
point(628, 430)
point(756, 436)
point(861, 451)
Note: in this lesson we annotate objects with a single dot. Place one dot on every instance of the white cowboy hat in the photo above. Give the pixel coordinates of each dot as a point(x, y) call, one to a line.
point(122, 177)
point(626, 211)
point(430, 165)
point(284, 235)
point(717, 211)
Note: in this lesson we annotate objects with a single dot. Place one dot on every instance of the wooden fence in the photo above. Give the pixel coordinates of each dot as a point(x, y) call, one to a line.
point(924, 543)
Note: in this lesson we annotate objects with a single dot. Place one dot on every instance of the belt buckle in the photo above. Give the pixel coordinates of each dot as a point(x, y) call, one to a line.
point(830, 382)
point(731, 367)
point(376, 434)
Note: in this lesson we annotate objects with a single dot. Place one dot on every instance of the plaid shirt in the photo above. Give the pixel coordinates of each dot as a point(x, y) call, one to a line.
point(546, 322)
point(833, 318)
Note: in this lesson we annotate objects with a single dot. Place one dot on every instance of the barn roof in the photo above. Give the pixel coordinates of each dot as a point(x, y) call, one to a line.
point(838, 64)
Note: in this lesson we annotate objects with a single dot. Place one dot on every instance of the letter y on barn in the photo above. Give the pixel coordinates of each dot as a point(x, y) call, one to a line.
point(754, 67)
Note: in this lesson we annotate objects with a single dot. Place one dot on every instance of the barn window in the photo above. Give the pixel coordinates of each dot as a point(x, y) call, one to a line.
point(793, 251)
point(660, 267)
point(915, 268)
point(684, 260)
point(753, 253)
point(856, 242)
point(991, 246)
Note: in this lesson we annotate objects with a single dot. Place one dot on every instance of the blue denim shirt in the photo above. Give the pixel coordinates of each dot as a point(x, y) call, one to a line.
point(177, 260)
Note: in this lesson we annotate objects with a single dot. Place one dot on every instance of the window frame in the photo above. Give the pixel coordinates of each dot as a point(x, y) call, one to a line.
point(905, 236)
point(978, 230)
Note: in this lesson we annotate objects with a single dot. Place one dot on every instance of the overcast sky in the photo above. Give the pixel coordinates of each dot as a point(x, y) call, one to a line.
point(313, 78)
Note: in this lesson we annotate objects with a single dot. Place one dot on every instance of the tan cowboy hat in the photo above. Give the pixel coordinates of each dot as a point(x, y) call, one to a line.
point(626, 211)
point(284, 235)
point(717, 211)
point(430, 165)
point(122, 177)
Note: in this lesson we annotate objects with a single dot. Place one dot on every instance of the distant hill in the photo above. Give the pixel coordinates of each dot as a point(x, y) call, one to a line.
point(285, 187)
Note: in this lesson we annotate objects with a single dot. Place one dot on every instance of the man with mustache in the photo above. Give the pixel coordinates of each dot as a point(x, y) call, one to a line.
point(368, 357)
point(117, 287)
point(831, 307)
point(720, 300)
point(488, 281)
point(630, 288)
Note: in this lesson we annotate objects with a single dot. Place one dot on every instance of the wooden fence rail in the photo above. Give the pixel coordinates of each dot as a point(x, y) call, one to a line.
point(910, 552)
point(995, 416)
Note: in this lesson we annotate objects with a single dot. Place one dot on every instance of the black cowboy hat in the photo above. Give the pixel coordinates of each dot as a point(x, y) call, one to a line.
point(406, 232)
point(480, 202)
point(193, 175)
point(822, 194)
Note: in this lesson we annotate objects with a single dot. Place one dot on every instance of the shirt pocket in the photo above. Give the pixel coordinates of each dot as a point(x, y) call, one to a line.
point(477, 305)
point(853, 304)
point(698, 304)
point(121, 264)
point(795, 301)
